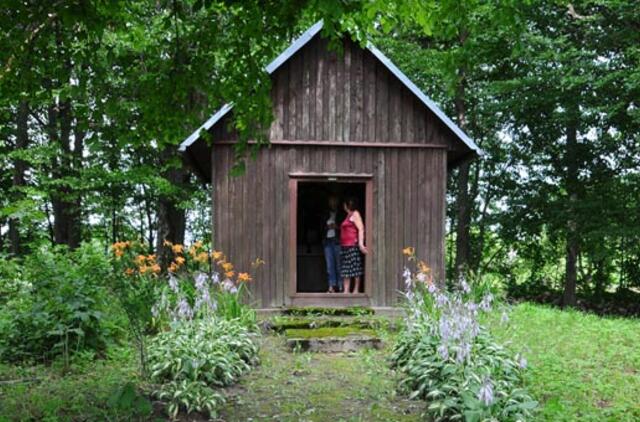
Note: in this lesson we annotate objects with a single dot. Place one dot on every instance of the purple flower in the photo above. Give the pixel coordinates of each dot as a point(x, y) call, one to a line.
point(173, 283)
point(201, 280)
point(184, 310)
point(215, 278)
point(504, 318)
point(485, 394)
point(443, 350)
point(432, 288)
point(485, 304)
point(464, 285)
point(522, 361)
point(463, 351)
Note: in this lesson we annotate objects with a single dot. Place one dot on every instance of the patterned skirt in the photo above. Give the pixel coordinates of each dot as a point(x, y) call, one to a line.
point(351, 262)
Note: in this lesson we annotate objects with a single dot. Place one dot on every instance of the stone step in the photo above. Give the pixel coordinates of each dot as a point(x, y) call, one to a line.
point(334, 344)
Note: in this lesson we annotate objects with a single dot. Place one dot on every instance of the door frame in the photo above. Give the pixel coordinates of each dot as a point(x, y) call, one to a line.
point(294, 180)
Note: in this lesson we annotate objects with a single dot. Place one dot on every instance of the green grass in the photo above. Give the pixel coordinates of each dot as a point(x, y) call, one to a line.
point(319, 387)
point(581, 366)
point(43, 393)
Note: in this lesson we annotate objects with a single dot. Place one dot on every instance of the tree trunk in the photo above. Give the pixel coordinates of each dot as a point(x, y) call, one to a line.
point(19, 168)
point(572, 246)
point(463, 199)
point(171, 218)
point(65, 200)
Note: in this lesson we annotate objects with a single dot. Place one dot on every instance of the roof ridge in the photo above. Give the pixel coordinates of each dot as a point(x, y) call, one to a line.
point(300, 42)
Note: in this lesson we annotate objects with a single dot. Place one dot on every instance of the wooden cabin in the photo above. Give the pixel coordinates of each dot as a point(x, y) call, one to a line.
point(346, 123)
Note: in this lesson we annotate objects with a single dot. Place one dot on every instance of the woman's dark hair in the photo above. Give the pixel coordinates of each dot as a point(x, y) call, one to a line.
point(351, 203)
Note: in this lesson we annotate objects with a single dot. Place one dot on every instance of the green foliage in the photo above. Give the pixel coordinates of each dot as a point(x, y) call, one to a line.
point(451, 390)
point(196, 355)
point(62, 306)
point(447, 357)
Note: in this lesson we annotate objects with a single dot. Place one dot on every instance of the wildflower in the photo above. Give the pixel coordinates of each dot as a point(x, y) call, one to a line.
point(202, 257)
point(177, 248)
point(151, 258)
point(423, 267)
point(140, 260)
point(184, 310)
point(432, 288)
point(229, 274)
point(129, 271)
point(504, 318)
point(201, 280)
point(173, 283)
point(485, 394)
point(155, 268)
point(485, 303)
point(180, 260)
point(143, 269)
point(464, 285)
point(227, 266)
point(257, 262)
point(215, 278)
point(216, 255)
point(522, 361)
point(409, 251)
point(244, 277)
point(443, 350)
point(118, 253)
point(229, 286)
point(173, 267)
point(197, 244)
point(167, 243)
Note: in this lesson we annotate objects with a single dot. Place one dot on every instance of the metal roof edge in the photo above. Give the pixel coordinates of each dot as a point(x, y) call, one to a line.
point(300, 42)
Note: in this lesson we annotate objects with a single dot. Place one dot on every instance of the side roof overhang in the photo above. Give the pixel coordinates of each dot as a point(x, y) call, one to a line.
point(192, 141)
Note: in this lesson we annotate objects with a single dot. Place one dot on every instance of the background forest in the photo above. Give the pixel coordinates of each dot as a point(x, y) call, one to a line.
point(96, 96)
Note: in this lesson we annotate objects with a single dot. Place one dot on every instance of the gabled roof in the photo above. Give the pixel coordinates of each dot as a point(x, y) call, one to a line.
point(301, 42)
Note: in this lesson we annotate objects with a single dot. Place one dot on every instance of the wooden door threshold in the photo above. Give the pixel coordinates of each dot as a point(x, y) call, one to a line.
point(330, 300)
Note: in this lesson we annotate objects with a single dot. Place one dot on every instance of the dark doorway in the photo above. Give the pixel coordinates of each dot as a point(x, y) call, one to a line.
point(312, 214)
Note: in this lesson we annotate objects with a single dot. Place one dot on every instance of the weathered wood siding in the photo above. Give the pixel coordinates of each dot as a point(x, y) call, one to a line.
point(349, 96)
point(251, 212)
point(341, 102)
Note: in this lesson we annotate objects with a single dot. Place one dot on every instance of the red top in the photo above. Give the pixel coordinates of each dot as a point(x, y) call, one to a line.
point(348, 232)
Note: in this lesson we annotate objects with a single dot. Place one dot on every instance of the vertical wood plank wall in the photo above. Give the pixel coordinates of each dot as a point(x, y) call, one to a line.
point(323, 96)
point(251, 212)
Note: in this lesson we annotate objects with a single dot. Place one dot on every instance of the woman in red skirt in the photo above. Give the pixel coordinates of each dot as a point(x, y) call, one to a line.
point(352, 247)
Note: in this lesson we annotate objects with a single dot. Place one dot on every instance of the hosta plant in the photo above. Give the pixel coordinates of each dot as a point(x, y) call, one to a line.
point(447, 358)
point(195, 355)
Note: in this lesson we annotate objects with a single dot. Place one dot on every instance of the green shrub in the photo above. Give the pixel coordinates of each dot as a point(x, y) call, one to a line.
point(195, 355)
point(61, 308)
point(446, 357)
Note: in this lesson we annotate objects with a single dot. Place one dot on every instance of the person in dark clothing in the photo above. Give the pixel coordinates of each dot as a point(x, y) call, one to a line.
point(331, 246)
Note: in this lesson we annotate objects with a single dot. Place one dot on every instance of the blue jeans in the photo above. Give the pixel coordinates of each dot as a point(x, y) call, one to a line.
point(332, 258)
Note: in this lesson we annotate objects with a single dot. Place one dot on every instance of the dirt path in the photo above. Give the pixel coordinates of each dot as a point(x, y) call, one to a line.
point(318, 387)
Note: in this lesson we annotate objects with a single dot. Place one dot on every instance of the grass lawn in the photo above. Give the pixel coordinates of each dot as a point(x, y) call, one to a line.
point(582, 368)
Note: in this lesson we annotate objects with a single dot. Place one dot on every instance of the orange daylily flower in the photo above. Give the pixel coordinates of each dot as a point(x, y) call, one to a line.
point(244, 277)
point(167, 243)
point(177, 248)
point(202, 257)
point(180, 260)
point(155, 268)
point(227, 266)
point(229, 274)
point(173, 267)
point(409, 251)
point(216, 255)
point(143, 269)
point(129, 271)
point(140, 259)
point(257, 262)
point(423, 267)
